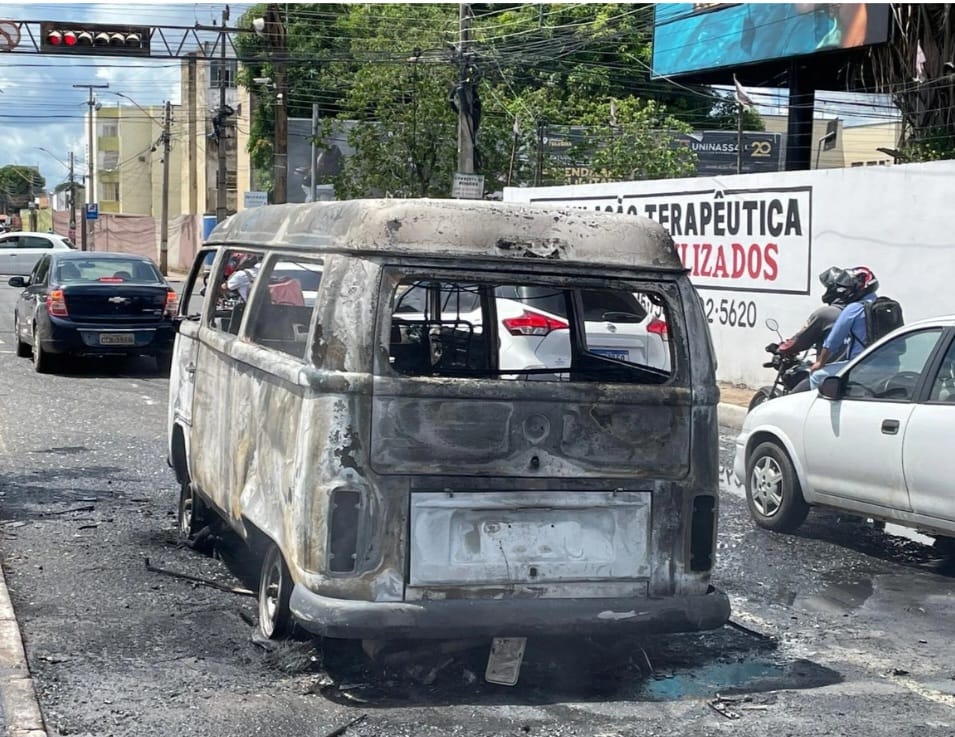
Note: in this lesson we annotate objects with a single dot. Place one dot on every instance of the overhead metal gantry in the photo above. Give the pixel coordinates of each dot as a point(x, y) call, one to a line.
point(159, 42)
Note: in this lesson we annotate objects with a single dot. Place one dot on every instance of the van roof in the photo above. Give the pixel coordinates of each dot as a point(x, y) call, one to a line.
point(454, 229)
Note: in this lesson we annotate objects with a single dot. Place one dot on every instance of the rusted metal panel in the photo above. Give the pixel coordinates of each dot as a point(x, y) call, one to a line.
point(468, 538)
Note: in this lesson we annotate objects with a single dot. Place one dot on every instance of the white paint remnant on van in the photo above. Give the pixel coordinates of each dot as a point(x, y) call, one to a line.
point(620, 615)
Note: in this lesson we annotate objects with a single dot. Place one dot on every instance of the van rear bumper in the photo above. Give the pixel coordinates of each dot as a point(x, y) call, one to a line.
point(450, 619)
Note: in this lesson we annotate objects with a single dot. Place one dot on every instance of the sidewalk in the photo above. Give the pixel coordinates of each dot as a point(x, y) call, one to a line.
point(733, 403)
point(21, 713)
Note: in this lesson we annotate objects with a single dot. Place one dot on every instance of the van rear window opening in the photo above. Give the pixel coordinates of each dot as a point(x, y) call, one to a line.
point(529, 331)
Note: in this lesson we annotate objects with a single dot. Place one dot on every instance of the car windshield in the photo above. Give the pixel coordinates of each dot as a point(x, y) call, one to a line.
point(108, 271)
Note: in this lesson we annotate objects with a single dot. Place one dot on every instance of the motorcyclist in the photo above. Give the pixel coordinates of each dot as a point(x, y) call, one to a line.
point(846, 339)
point(821, 320)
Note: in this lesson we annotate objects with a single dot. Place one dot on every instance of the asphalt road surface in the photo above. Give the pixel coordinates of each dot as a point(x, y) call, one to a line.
point(843, 629)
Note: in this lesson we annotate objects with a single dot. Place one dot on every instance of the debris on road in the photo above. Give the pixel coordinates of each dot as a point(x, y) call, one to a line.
point(724, 707)
point(197, 579)
point(339, 731)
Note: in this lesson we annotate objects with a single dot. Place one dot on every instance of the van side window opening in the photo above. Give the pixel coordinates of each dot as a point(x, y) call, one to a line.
point(522, 331)
point(193, 298)
point(230, 304)
point(281, 310)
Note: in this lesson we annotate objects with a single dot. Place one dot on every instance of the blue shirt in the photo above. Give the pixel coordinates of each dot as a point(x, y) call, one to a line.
point(849, 329)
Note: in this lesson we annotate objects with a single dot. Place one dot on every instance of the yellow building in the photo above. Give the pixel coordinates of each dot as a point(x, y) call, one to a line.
point(129, 159)
point(856, 145)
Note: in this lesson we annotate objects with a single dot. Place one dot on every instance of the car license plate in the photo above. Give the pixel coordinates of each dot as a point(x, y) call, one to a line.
point(610, 353)
point(117, 339)
point(504, 661)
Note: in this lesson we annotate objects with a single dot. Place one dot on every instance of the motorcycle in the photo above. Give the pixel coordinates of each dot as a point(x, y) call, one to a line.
point(790, 369)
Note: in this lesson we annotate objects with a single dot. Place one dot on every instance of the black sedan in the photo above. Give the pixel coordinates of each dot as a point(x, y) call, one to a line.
point(81, 303)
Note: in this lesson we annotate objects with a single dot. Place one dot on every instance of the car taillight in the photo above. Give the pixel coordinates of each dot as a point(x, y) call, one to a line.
point(56, 303)
point(172, 303)
point(658, 327)
point(533, 323)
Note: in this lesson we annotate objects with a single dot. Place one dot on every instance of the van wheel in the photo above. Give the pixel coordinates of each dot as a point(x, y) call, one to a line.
point(944, 545)
point(275, 590)
point(193, 514)
point(23, 349)
point(773, 494)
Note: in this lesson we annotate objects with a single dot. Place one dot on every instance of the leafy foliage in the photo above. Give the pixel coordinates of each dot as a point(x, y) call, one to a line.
point(391, 67)
point(18, 185)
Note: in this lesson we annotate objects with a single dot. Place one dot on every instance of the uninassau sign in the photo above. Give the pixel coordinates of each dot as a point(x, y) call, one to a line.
point(752, 240)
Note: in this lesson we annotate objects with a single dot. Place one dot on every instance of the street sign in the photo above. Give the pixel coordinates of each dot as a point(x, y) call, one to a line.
point(92, 211)
point(468, 186)
point(256, 199)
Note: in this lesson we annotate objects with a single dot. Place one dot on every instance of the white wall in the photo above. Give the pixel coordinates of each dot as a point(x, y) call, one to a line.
point(897, 220)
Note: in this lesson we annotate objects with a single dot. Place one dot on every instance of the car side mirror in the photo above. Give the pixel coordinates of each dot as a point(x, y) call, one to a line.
point(831, 387)
point(17, 281)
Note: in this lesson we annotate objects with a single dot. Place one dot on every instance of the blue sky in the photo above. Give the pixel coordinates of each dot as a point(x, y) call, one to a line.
point(39, 105)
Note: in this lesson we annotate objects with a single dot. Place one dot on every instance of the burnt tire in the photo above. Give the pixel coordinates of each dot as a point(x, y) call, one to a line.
point(23, 349)
point(944, 545)
point(763, 394)
point(193, 514)
point(773, 494)
point(275, 590)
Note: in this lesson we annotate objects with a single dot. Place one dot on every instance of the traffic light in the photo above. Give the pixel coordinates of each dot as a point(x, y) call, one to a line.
point(94, 39)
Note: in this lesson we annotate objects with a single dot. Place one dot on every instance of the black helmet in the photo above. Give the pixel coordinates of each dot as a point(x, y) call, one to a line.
point(839, 284)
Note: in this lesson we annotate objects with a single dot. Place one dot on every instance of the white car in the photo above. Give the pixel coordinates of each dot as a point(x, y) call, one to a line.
point(533, 329)
point(874, 440)
point(20, 251)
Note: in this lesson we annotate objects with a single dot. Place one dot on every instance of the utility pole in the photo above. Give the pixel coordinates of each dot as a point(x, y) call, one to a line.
point(72, 231)
point(313, 169)
point(164, 218)
point(279, 44)
point(221, 206)
point(88, 232)
point(465, 95)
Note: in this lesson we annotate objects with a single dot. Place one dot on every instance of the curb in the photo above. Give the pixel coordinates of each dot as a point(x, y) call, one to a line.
point(731, 416)
point(21, 711)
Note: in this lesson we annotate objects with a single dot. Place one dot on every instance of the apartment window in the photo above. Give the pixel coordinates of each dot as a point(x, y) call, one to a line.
point(110, 159)
point(217, 71)
point(108, 130)
point(110, 191)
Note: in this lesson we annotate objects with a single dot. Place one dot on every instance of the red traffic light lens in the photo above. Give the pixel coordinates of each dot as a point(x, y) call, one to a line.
point(69, 38)
point(55, 38)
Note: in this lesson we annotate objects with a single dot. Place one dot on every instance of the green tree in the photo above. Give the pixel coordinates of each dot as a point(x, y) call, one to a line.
point(632, 140)
point(18, 186)
point(405, 134)
point(390, 68)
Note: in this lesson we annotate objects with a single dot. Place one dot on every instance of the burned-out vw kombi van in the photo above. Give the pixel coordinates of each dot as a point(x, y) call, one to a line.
point(441, 418)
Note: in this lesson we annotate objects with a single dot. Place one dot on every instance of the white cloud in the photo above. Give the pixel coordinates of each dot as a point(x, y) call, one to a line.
point(40, 107)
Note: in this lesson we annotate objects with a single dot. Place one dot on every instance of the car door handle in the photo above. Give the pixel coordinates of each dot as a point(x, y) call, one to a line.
point(191, 368)
point(890, 427)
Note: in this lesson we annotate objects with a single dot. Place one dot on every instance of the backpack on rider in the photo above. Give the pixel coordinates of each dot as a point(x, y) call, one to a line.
point(882, 316)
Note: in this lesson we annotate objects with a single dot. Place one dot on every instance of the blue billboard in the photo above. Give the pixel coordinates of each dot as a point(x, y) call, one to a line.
point(698, 37)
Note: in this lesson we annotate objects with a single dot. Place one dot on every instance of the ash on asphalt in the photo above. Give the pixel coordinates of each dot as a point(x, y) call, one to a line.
point(555, 669)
